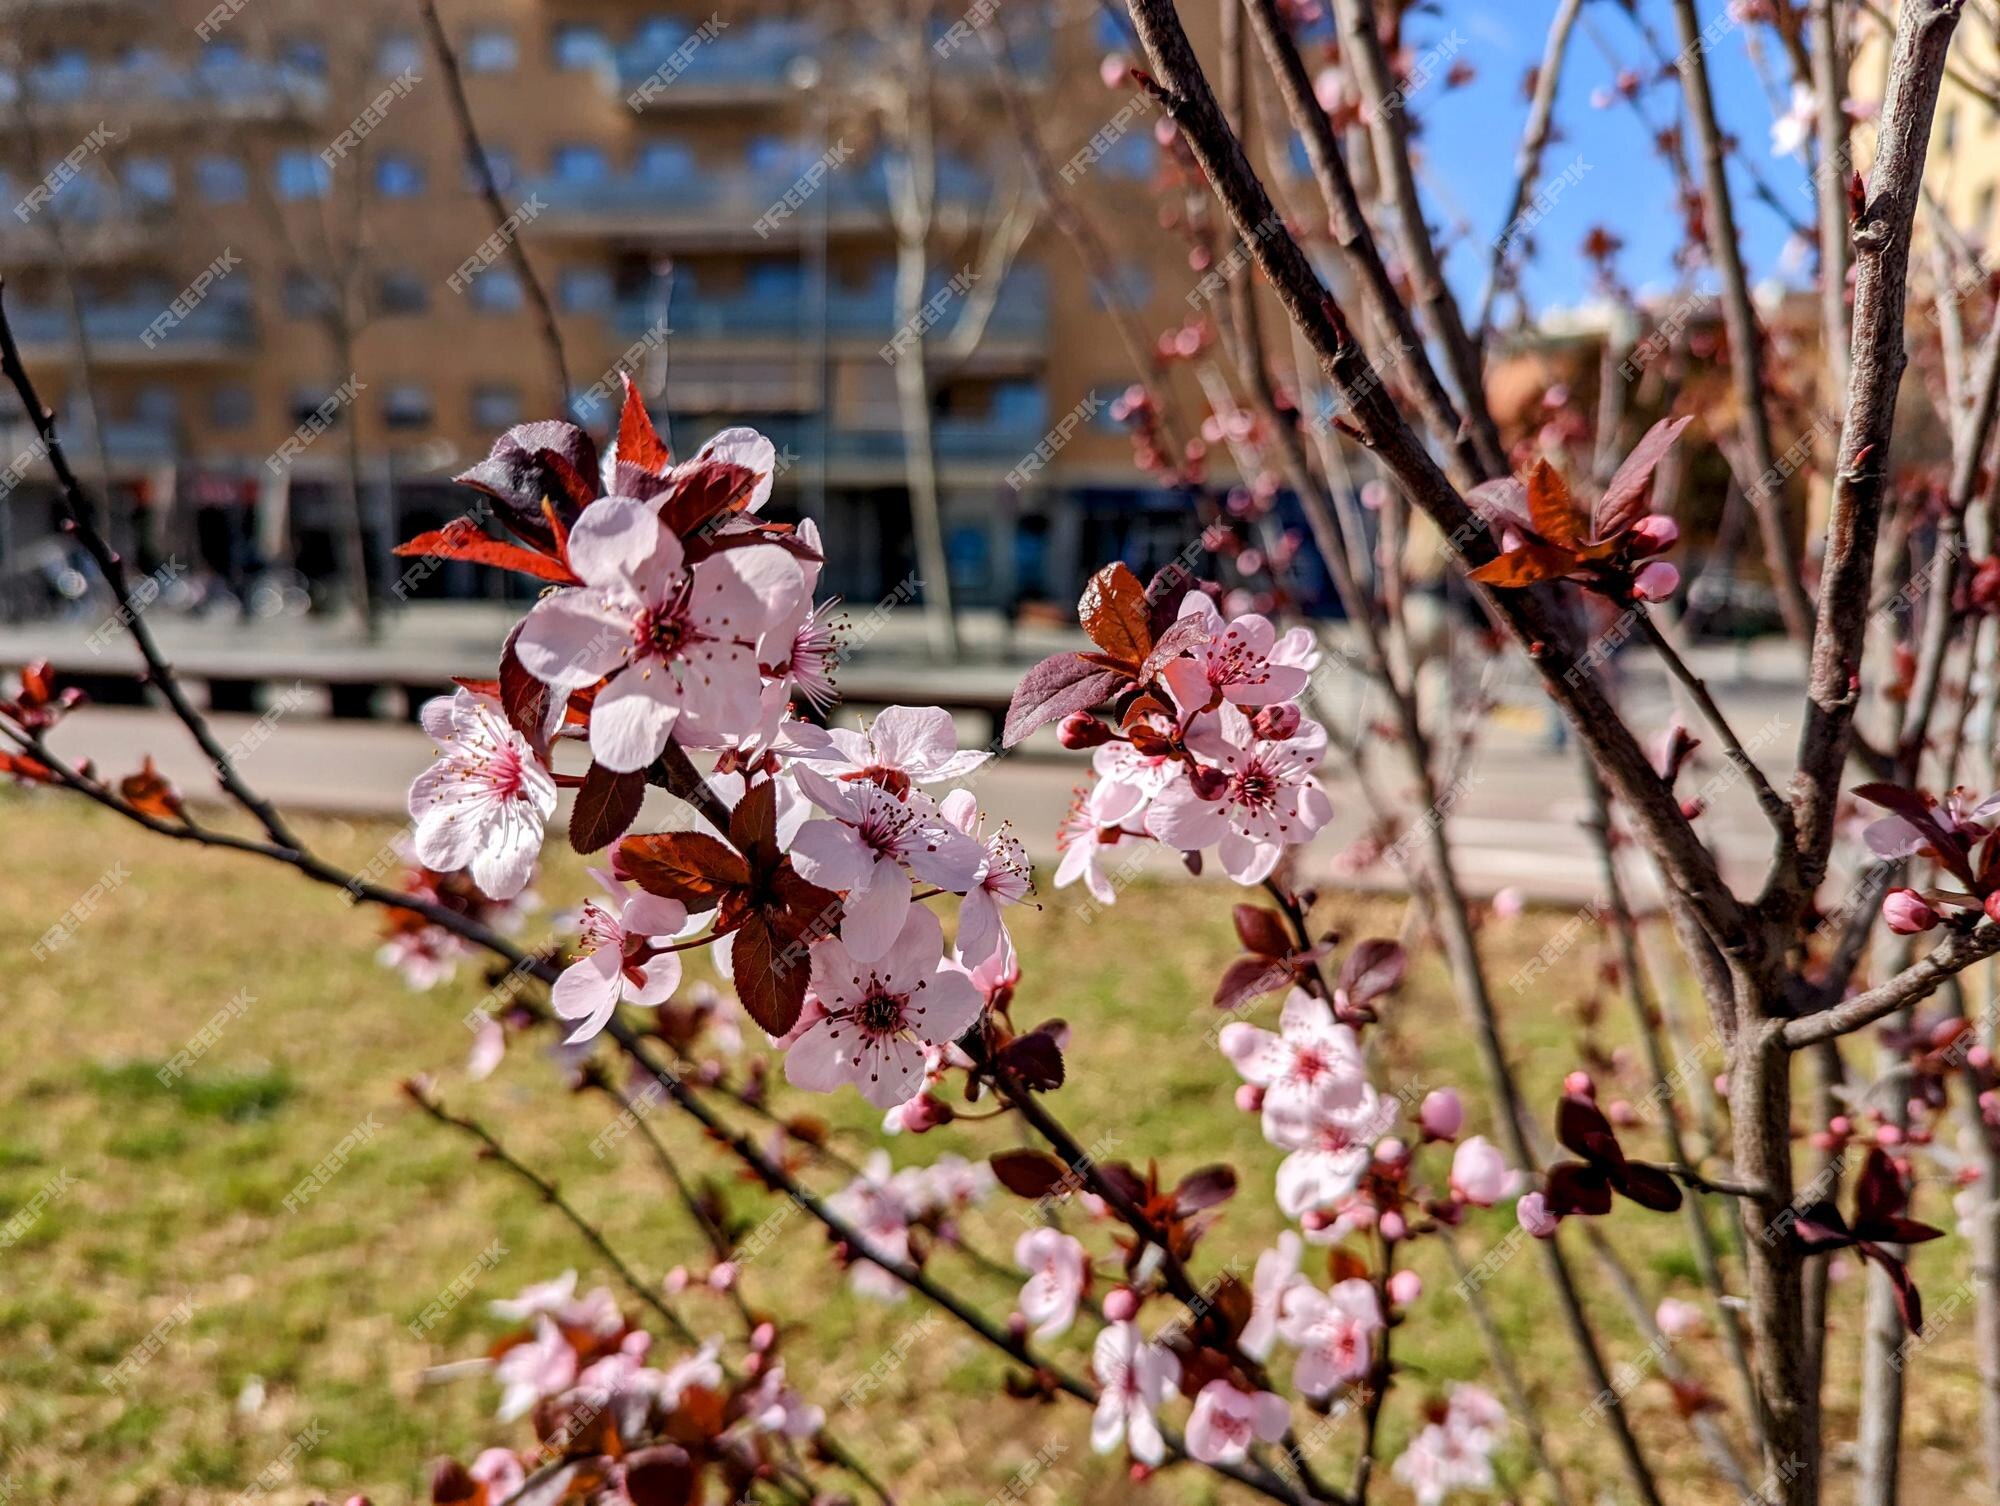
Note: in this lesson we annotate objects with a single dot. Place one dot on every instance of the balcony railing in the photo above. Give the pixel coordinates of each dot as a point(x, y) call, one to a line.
point(1020, 313)
point(743, 206)
point(158, 88)
point(749, 63)
point(987, 443)
point(143, 331)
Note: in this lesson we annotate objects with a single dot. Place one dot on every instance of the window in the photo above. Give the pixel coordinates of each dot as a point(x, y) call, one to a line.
point(303, 55)
point(221, 180)
point(397, 53)
point(231, 407)
point(577, 44)
point(500, 163)
point(1130, 156)
point(304, 297)
point(301, 175)
point(407, 406)
point(150, 180)
point(1133, 284)
point(584, 290)
point(665, 162)
point(401, 293)
point(496, 405)
point(156, 404)
point(497, 291)
point(398, 177)
point(64, 75)
point(657, 35)
point(580, 164)
point(311, 402)
point(222, 57)
point(589, 405)
point(491, 49)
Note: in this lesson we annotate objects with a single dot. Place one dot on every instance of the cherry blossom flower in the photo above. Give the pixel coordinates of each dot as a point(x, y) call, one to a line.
point(617, 962)
point(1135, 1377)
point(1330, 1149)
point(425, 955)
point(1311, 1064)
point(1333, 1331)
point(677, 641)
point(865, 848)
point(544, 1297)
point(1678, 1319)
point(1269, 798)
point(1791, 130)
point(500, 1472)
point(1057, 1264)
point(1479, 1172)
point(1226, 1421)
point(1084, 839)
point(872, 1205)
point(1277, 1273)
point(698, 1369)
point(1531, 1211)
point(485, 802)
point(1128, 780)
point(1439, 1461)
point(881, 1016)
point(1234, 665)
point(904, 746)
point(775, 1407)
point(1004, 879)
point(542, 1366)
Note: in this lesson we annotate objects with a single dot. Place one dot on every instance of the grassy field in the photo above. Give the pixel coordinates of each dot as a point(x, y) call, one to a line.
point(153, 1215)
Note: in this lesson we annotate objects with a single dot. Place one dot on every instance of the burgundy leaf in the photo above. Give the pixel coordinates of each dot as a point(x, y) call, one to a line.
point(689, 866)
point(606, 806)
point(1053, 689)
point(1649, 1187)
point(1262, 931)
point(1113, 612)
point(638, 441)
point(1582, 1127)
point(664, 1476)
point(1574, 1187)
point(1205, 1188)
point(771, 971)
point(524, 698)
point(1028, 1173)
point(1249, 978)
point(1373, 968)
point(1626, 495)
point(530, 462)
point(1185, 634)
point(1034, 1060)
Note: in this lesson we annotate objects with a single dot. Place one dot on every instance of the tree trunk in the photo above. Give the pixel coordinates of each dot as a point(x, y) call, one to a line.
point(913, 404)
point(351, 525)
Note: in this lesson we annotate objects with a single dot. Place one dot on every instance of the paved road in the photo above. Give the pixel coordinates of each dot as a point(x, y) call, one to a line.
point(1513, 813)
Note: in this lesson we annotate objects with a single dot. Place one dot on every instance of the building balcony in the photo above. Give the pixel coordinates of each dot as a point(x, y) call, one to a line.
point(134, 333)
point(160, 91)
point(755, 64)
point(863, 318)
point(129, 444)
point(967, 448)
point(725, 209)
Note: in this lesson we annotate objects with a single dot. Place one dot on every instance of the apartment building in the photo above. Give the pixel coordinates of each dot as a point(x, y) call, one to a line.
point(258, 217)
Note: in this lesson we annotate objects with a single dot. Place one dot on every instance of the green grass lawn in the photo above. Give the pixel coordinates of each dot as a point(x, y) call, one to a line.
point(162, 1221)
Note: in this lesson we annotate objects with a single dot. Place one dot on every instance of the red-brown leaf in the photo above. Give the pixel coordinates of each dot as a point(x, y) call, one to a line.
point(1529, 565)
point(638, 441)
point(1113, 611)
point(1249, 978)
point(1028, 1173)
point(1053, 689)
point(704, 492)
point(1551, 513)
point(1262, 930)
point(463, 539)
point(148, 791)
point(606, 806)
point(689, 866)
point(1627, 493)
point(523, 698)
point(771, 973)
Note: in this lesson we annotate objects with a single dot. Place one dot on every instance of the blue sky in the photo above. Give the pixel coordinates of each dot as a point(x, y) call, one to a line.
point(1471, 133)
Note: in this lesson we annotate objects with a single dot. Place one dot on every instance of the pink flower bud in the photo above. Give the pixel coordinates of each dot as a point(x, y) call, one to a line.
point(1121, 1304)
point(1621, 1113)
point(1655, 534)
point(1278, 722)
point(1533, 1212)
point(1080, 730)
point(1508, 903)
point(1479, 1172)
point(1405, 1287)
point(764, 1335)
point(1656, 582)
point(1889, 1134)
point(1579, 1085)
point(1992, 908)
point(926, 1112)
point(1840, 1125)
point(1250, 1098)
point(1393, 1227)
point(723, 1277)
point(1442, 1114)
point(1721, 1085)
point(1113, 69)
point(1979, 1058)
point(1908, 913)
point(1391, 1152)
